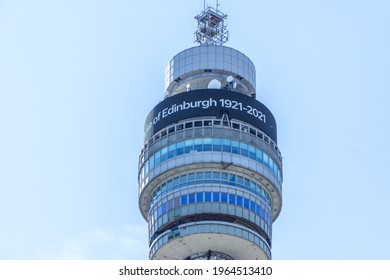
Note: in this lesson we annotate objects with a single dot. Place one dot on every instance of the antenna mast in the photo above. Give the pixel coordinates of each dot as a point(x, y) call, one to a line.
point(211, 27)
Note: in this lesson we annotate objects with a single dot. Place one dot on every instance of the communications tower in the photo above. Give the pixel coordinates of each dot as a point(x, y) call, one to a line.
point(210, 170)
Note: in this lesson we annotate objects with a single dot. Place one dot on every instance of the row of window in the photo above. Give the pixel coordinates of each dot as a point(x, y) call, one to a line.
point(211, 145)
point(211, 178)
point(222, 197)
point(209, 123)
point(210, 228)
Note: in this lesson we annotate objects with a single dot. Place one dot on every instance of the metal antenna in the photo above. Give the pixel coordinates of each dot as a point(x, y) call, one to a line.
point(211, 27)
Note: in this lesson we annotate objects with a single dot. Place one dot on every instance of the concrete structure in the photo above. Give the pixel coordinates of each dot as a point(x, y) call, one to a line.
point(210, 171)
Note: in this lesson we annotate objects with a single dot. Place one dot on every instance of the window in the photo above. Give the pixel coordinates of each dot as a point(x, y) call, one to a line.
point(188, 125)
point(235, 147)
point(217, 144)
point(191, 198)
point(224, 197)
point(215, 196)
point(207, 196)
point(252, 206)
point(232, 198)
point(207, 145)
point(184, 200)
point(199, 197)
point(180, 148)
point(246, 203)
point(239, 200)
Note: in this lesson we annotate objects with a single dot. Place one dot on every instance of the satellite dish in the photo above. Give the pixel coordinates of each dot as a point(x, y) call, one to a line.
point(214, 84)
point(229, 79)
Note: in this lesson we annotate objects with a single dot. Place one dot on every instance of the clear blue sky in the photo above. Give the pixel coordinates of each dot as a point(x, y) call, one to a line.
point(78, 78)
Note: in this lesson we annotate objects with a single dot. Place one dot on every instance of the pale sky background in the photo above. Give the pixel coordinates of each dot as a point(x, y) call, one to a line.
point(78, 78)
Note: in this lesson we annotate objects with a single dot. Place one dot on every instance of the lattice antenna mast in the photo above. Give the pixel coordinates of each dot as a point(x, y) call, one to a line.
point(211, 27)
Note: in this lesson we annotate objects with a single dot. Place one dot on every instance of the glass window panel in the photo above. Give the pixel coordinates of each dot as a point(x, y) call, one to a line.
point(235, 147)
point(244, 149)
point(184, 200)
point(224, 176)
point(224, 197)
point(252, 152)
point(191, 176)
point(176, 181)
point(252, 206)
point(239, 200)
point(247, 182)
point(164, 154)
point(207, 196)
point(246, 203)
point(157, 158)
point(258, 209)
point(180, 148)
point(217, 144)
point(240, 180)
point(199, 176)
point(259, 155)
point(183, 178)
point(216, 196)
point(226, 145)
point(216, 175)
point(265, 158)
point(232, 178)
point(164, 207)
point(207, 175)
point(199, 197)
point(198, 145)
point(232, 198)
point(191, 198)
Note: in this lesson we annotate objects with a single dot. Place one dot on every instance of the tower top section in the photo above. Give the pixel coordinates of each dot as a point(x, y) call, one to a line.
point(211, 27)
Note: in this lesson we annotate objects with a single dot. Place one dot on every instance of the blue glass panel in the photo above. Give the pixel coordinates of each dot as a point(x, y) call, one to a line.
point(239, 200)
point(224, 197)
point(191, 176)
point(232, 198)
point(235, 147)
point(184, 200)
point(164, 154)
point(252, 152)
point(207, 196)
point(252, 206)
point(258, 209)
point(259, 155)
point(244, 149)
point(171, 151)
point(164, 208)
point(198, 145)
point(157, 158)
point(183, 178)
point(217, 144)
point(216, 175)
point(224, 176)
point(199, 175)
point(176, 181)
point(216, 196)
point(207, 144)
point(246, 203)
point(265, 159)
point(226, 145)
point(207, 175)
point(262, 212)
point(191, 198)
point(199, 197)
point(180, 148)
point(240, 180)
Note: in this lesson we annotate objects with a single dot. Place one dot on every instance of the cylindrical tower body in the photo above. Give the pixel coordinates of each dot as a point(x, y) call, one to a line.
point(210, 171)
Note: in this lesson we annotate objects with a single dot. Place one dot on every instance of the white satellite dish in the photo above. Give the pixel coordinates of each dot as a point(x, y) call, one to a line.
point(229, 79)
point(214, 84)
